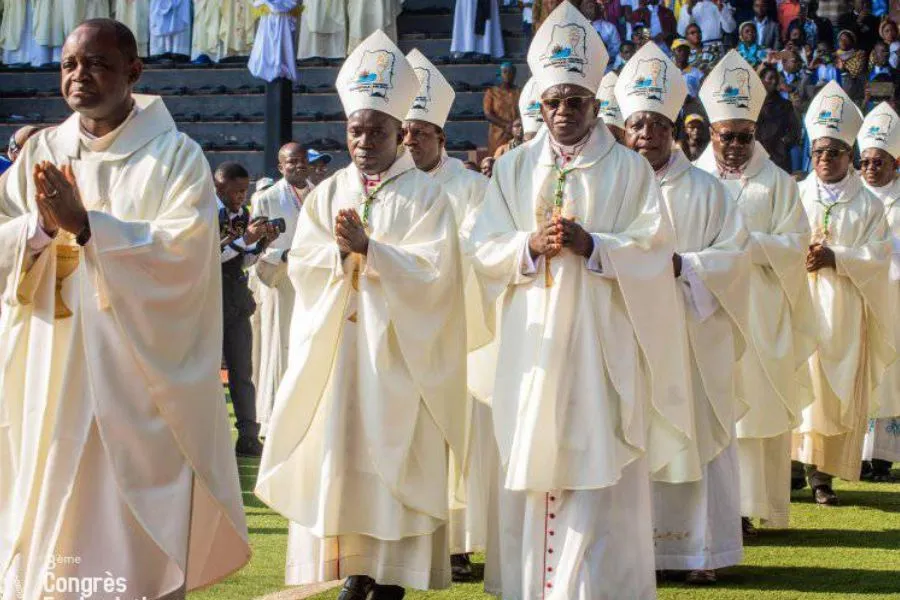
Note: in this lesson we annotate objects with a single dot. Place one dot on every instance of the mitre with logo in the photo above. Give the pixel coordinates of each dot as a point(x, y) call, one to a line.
point(377, 76)
point(530, 107)
point(567, 50)
point(732, 90)
point(881, 129)
point(650, 81)
point(609, 111)
point(435, 96)
point(833, 114)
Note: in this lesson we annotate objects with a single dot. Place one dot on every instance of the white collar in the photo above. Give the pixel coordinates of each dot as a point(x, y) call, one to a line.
point(231, 215)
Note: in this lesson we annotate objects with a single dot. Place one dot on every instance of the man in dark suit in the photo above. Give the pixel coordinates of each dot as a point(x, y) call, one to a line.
point(242, 240)
point(659, 20)
point(767, 32)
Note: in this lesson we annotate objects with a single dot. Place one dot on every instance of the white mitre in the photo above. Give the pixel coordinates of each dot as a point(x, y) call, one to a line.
point(377, 76)
point(609, 111)
point(530, 107)
point(833, 114)
point(732, 90)
point(566, 49)
point(650, 81)
point(881, 129)
point(435, 96)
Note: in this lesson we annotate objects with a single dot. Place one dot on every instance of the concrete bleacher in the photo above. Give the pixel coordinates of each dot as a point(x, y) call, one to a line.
point(222, 106)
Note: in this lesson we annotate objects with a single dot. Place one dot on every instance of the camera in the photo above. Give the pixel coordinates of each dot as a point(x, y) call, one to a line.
point(279, 224)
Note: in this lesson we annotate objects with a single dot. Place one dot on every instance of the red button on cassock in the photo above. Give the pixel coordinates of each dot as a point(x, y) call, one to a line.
point(551, 532)
point(549, 550)
point(552, 516)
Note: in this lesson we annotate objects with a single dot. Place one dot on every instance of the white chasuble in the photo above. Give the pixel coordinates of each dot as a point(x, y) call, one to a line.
point(372, 400)
point(697, 524)
point(592, 368)
point(855, 324)
point(115, 445)
point(772, 379)
point(274, 296)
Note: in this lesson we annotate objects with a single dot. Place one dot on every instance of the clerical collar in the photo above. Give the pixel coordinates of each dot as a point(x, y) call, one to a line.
point(726, 172)
point(100, 144)
point(563, 154)
point(831, 192)
point(371, 182)
point(882, 193)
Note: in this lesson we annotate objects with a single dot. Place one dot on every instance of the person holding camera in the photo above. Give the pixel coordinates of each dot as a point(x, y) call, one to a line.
point(242, 241)
point(280, 203)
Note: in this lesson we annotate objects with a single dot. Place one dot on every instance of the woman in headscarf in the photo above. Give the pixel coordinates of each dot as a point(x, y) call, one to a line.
point(501, 108)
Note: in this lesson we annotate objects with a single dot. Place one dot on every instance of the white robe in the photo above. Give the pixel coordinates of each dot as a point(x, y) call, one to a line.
point(274, 53)
point(697, 524)
point(31, 32)
point(323, 29)
point(464, 37)
point(206, 29)
point(115, 447)
point(883, 436)
point(855, 324)
point(371, 402)
point(170, 27)
point(773, 371)
point(237, 28)
point(77, 11)
point(275, 298)
point(135, 14)
point(577, 423)
point(365, 17)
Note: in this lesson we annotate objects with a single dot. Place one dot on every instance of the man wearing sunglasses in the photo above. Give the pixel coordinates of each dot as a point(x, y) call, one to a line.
point(879, 145)
point(592, 363)
point(698, 492)
point(847, 261)
point(782, 333)
point(423, 136)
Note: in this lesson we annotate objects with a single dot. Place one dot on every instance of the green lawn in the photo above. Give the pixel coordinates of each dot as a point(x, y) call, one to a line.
point(846, 552)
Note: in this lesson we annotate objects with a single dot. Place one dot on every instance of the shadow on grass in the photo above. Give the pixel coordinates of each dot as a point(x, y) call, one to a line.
point(804, 579)
point(827, 538)
point(268, 530)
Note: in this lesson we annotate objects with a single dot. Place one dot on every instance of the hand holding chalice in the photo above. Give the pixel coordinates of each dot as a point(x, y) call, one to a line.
point(60, 207)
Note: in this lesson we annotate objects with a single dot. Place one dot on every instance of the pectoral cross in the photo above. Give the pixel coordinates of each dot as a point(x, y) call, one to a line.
point(357, 258)
point(557, 212)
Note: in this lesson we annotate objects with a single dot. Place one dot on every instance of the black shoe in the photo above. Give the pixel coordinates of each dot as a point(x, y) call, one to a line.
point(797, 483)
point(825, 496)
point(461, 568)
point(357, 587)
point(388, 592)
point(248, 447)
point(747, 528)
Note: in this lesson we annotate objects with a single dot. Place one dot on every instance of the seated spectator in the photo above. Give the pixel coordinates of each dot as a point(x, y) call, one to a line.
point(863, 24)
point(788, 10)
point(879, 63)
point(767, 32)
point(516, 141)
point(889, 35)
point(659, 19)
point(822, 65)
point(814, 28)
point(626, 51)
point(778, 127)
point(752, 52)
point(851, 62)
point(693, 76)
point(640, 35)
point(795, 80)
point(797, 42)
point(608, 31)
point(694, 136)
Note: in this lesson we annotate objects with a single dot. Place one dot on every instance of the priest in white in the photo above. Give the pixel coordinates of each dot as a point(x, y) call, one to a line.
point(530, 110)
point(782, 332)
point(32, 32)
point(591, 391)
point(76, 11)
point(275, 294)
point(848, 260)
point(237, 29)
point(115, 451)
point(323, 30)
point(274, 52)
point(364, 17)
point(372, 402)
point(477, 28)
point(879, 147)
point(135, 14)
point(696, 524)
point(424, 139)
point(610, 113)
point(170, 27)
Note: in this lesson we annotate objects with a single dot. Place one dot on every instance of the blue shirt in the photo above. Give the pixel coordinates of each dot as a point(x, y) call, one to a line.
point(5, 164)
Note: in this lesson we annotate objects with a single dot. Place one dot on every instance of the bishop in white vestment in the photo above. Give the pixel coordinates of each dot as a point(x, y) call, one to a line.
point(591, 391)
point(848, 260)
point(782, 334)
point(879, 146)
point(696, 523)
point(530, 110)
point(424, 138)
point(275, 294)
point(610, 113)
point(371, 404)
point(114, 441)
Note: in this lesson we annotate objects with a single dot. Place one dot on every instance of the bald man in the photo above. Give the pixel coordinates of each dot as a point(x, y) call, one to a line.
point(116, 453)
point(276, 295)
point(16, 141)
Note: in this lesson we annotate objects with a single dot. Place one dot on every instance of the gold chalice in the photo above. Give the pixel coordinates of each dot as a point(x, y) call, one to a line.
point(66, 263)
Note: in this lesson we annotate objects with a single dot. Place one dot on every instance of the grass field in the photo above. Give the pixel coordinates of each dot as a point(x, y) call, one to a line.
point(846, 552)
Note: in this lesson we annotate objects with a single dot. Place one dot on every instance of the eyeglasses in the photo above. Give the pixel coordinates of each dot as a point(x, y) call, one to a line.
point(828, 153)
point(875, 163)
point(571, 102)
point(743, 138)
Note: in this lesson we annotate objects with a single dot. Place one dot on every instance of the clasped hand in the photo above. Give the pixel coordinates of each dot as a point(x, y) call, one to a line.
point(819, 257)
point(350, 233)
point(58, 199)
point(560, 233)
